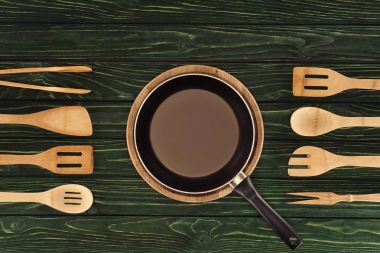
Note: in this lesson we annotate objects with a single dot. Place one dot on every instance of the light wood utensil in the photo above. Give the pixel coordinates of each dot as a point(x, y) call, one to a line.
point(322, 82)
point(60, 160)
point(316, 161)
point(46, 88)
point(70, 198)
point(330, 198)
point(313, 121)
point(69, 120)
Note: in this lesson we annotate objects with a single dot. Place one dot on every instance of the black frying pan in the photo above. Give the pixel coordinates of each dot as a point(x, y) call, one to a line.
point(233, 175)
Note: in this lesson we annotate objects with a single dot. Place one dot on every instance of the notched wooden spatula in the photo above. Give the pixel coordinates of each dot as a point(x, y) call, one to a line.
point(70, 198)
point(323, 82)
point(59, 160)
point(69, 120)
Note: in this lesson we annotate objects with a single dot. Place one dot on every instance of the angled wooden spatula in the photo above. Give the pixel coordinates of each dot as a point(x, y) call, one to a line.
point(46, 69)
point(70, 198)
point(323, 82)
point(59, 160)
point(69, 120)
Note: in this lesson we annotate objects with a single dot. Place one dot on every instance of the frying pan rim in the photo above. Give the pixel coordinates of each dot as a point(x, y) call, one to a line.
point(242, 167)
point(248, 98)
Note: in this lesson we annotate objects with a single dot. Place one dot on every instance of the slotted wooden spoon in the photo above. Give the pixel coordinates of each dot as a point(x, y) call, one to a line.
point(322, 82)
point(313, 121)
point(70, 198)
point(69, 120)
point(60, 160)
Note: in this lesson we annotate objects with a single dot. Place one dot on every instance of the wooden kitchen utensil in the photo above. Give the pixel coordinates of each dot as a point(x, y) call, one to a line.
point(316, 161)
point(60, 160)
point(330, 198)
point(70, 198)
point(69, 120)
point(47, 69)
point(313, 121)
point(322, 82)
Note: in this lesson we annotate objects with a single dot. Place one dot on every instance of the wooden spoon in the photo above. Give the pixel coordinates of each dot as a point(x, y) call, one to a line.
point(69, 120)
point(60, 160)
point(70, 198)
point(313, 121)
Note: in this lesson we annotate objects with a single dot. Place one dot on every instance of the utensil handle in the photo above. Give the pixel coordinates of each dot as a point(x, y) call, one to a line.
point(17, 159)
point(361, 161)
point(361, 122)
point(76, 69)
point(20, 197)
point(368, 84)
point(278, 224)
point(22, 119)
point(44, 88)
point(365, 197)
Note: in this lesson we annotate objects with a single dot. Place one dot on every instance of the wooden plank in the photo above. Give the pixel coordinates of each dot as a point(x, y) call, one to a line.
point(192, 12)
point(122, 81)
point(112, 159)
point(238, 43)
point(176, 234)
point(132, 196)
point(110, 119)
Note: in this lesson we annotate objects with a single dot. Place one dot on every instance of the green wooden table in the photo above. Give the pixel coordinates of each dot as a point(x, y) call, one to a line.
point(130, 42)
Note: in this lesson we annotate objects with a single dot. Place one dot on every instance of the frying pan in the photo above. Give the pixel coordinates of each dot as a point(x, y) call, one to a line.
point(234, 174)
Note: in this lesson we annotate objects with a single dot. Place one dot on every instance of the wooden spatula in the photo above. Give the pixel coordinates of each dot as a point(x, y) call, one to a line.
point(322, 82)
point(69, 120)
point(313, 121)
point(317, 161)
point(45, 88)
point(60, 160)
point(330, 198)
point(71, 198)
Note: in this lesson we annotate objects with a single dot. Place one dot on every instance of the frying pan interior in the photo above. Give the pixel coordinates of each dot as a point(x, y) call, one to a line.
point(246, 141)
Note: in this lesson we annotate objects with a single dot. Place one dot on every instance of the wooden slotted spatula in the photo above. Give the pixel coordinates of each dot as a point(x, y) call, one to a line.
point(45, 88)
point(69, 120)
point(323, 82)
point(313, 121)
point(330, 198)
point(60, 160)
point(317, 161)
point(70, 198)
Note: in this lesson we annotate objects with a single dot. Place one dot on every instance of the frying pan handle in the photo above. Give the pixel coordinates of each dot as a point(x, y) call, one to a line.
point(278, 224)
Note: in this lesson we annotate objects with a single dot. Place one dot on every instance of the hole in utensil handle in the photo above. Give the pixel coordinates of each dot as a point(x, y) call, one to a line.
point(278, 224)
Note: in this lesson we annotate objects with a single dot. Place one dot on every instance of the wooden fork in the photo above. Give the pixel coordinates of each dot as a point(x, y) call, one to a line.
point(330, 198)
point(322, 82)
point(71, 198)
point(45, 88)
point(316, 161)
point(60, 160)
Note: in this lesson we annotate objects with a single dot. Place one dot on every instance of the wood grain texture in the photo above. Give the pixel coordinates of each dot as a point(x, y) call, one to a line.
point(174, 234)
point(239, 43)
point(132, 196)
point(110, 118)
point(122, 81)
point(112, 159)
point(191, 12)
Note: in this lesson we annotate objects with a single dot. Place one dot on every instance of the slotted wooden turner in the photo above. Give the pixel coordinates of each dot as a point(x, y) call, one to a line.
point(323, 82)
point(59, 160)
point(69, 120)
